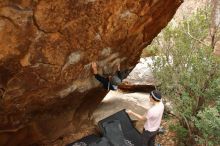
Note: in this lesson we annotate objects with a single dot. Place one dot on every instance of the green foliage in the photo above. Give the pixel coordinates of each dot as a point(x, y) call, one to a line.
point(188, 74)
point(149, 51)
point(181, 133)
point(208, 122)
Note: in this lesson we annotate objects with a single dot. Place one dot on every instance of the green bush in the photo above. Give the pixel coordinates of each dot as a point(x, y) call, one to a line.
point(188, 74)
point(152, 51)
point(181, 133)
point(208, 122)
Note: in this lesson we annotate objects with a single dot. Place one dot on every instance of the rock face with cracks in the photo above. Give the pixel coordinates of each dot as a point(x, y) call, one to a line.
point(47, 88)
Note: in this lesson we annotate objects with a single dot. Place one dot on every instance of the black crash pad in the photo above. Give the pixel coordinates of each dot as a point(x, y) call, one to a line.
point(113, 132)
point(129, 132)
point(86, 141)
point(101, 142)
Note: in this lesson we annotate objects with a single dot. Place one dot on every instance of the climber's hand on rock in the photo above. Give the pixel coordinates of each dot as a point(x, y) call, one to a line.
point(94, 67)
point(118, 66)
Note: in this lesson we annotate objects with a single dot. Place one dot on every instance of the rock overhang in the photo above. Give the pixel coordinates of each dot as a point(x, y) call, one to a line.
point(47, 47)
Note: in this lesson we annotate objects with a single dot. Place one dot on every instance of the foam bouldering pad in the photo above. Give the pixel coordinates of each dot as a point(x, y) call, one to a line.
point(113, 132)
point(101, 142)
point(85, 141)
point(130, 133)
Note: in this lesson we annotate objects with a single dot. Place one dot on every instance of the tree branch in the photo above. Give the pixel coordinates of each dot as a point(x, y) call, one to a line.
point(188, 33)
point(187, 124)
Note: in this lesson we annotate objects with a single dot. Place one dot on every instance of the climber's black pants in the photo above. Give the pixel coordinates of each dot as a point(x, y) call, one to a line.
point(105, 82)
point(148, 138)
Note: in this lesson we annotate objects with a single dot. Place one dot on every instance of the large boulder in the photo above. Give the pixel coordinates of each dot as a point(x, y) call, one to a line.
point(47, 88)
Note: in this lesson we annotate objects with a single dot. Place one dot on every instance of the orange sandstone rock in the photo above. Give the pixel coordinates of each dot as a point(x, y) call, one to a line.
point(46, 47)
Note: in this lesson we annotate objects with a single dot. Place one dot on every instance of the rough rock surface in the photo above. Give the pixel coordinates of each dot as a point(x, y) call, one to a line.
point(140, 78)
point(46, 85)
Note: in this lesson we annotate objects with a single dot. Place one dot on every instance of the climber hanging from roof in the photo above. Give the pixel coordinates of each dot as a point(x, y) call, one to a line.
point(110, 82)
